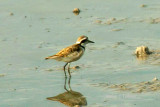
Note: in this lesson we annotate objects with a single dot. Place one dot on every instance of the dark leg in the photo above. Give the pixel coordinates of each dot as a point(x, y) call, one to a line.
point(64, 68)
point(69, 70)
point(65, 84)
point(69, 84)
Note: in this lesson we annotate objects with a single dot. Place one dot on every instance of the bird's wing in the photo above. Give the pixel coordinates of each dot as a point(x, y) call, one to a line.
point(69, 51)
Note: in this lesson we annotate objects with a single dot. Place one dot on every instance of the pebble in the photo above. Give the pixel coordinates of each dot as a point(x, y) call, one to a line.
point(76, 11)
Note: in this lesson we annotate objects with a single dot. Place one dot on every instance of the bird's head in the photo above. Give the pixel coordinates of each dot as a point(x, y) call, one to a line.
point(83, 40)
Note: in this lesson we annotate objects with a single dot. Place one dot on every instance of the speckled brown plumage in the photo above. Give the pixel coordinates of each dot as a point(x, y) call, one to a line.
point(69, 54)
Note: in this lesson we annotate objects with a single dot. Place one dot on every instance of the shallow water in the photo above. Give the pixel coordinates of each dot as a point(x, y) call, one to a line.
point(29, 33)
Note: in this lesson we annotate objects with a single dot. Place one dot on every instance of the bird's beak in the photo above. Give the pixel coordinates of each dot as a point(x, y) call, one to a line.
point(90, 41)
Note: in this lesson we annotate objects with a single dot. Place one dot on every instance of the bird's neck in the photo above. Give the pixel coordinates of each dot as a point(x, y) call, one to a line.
point(82, 45)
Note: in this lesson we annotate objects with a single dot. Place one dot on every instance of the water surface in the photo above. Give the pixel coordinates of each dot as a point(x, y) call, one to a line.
point(32, 30)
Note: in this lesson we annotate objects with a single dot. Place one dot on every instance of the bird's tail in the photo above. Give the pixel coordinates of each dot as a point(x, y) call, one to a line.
point(51, 57)
point(46, 58)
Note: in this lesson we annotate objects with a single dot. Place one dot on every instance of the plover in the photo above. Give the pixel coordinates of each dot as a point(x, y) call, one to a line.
point(71, 53)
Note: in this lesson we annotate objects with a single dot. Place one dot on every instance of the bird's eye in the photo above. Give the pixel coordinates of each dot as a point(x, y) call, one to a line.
point(83, 41)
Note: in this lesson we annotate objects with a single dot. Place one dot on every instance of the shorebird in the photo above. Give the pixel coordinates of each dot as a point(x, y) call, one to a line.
point(71, 53)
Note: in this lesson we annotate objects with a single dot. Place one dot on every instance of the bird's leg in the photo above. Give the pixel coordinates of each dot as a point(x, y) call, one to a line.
point(69, 84)
point(65, 84)
point(69, 70)
point(64, 68)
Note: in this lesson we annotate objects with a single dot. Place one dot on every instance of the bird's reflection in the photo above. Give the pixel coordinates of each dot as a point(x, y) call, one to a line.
point(70, 98)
